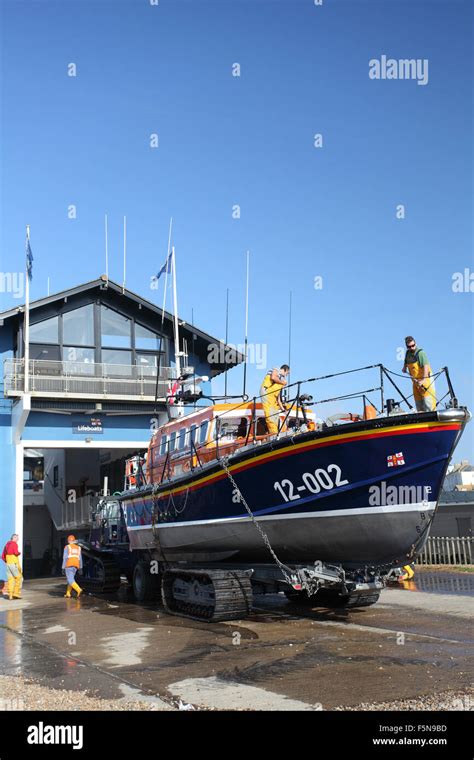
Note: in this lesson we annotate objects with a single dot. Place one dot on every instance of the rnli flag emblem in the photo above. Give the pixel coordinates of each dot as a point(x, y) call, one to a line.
point(395, 460)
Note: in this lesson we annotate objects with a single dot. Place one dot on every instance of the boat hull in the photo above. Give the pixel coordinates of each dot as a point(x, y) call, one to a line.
point(362, 493)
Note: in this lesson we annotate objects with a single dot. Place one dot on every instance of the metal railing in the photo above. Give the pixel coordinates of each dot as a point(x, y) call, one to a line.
point(77, 514)
point(446, 550)
point(63, 379)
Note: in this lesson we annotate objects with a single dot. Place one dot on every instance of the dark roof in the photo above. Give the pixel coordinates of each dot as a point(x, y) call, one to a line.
point(102, 283)
point(456, 497)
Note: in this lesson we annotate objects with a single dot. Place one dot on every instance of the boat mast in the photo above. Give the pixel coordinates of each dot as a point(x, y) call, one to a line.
point(246, 323)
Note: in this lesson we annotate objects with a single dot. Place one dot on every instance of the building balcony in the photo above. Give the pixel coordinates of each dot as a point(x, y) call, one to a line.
point(81, 380)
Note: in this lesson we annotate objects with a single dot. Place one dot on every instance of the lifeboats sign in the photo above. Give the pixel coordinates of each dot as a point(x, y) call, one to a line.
point(93, 427)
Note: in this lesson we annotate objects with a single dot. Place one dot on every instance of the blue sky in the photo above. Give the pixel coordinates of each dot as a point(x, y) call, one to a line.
point(248, 140)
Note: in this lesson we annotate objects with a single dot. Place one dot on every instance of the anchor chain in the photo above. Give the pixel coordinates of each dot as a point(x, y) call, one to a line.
point(290, 577)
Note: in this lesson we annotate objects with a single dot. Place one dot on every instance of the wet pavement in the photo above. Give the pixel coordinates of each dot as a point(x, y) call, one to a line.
point(417, 640)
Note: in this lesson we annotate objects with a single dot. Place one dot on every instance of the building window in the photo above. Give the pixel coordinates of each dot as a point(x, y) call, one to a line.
point(45, 332)
point(80, 361)
point(78, 326)
point(116, 330)
point(55, 476)
point(148, 363)
point(146, 339)
point(47, 353)
point(118, 362)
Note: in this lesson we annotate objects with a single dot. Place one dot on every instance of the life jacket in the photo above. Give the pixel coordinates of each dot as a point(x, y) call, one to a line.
point(73, 555)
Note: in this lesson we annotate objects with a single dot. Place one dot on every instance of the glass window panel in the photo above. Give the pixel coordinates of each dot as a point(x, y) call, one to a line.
point(78, 326)
point(203, 432)
point(147, 363)
point(164, 440)
point(80, 361)
point(120, 362)
point(172, 443)
point(46, 331)
point(146, 339)
point(182, 438)
point(115, 328)
point(50, 353)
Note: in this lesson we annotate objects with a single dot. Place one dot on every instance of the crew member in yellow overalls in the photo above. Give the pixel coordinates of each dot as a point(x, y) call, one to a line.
point(72, 562)
point(11, 557)
point(417, 365)
point(270, 392)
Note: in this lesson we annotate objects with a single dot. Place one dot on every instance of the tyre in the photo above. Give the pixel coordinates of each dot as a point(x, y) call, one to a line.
point(145, 585)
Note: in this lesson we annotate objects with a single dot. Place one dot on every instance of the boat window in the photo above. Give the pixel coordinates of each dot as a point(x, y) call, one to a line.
point(182, 438)
point(203, 432)
point(192, 434)
point(164, 439)
point(232, 428)
point(172, 443)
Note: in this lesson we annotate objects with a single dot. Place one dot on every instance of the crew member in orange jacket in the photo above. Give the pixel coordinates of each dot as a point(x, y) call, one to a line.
point(72, 562)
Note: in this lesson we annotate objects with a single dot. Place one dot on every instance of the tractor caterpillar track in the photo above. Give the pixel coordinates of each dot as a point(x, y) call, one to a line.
point(100, 574)
point(207, 595)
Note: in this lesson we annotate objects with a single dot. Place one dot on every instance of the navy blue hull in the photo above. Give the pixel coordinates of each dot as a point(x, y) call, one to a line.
point(338, 495)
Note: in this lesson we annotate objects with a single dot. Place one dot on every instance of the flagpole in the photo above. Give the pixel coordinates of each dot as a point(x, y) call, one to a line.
point(124, 252)
point(106, 250)
point(26, 327)
point(166, 273)
point(175, 309)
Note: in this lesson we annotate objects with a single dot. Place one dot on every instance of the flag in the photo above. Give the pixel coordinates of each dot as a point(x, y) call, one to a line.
point(173, 389)
point(29, 260)
point(166, 266)
point(395, 460)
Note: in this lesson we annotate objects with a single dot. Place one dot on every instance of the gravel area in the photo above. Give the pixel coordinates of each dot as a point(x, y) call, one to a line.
point(26, 694)
point(447, 700)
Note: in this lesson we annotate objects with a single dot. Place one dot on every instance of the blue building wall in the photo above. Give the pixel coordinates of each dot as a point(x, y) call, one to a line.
point(7, 450)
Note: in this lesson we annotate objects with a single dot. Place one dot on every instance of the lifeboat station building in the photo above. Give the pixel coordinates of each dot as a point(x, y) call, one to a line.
point(101, 366)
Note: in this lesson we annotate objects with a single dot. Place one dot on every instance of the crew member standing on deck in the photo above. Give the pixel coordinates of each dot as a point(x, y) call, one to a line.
point(270, 391)
point(72, 562)
point(417, 365)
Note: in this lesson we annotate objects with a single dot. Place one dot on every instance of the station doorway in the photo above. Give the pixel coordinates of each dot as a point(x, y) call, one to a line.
point(61, 486)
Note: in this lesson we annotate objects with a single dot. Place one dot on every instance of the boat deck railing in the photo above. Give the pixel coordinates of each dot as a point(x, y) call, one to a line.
point(298, 399)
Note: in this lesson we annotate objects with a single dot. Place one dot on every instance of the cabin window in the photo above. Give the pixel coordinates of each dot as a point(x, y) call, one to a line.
point(203, 432)
point(182, 439)
point(164, 440)
point(231, 428)
point(172, 443)
point(192, 434)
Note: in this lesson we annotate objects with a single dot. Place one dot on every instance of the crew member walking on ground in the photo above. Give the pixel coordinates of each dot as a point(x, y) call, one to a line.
point(417, 365)
point(270, 391)
point(72, 562)
point(11, 557)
